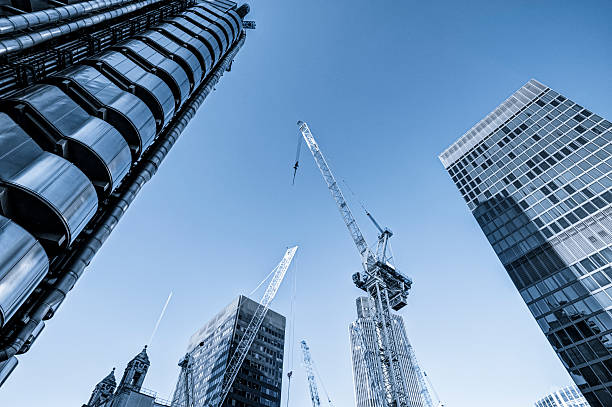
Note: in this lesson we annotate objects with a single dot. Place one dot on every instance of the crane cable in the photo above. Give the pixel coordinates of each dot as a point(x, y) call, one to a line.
point(440, 404)
point(322, 384)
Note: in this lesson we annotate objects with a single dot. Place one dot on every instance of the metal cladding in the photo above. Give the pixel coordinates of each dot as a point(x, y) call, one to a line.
point(42, 191)
point(92, 144)
point(211, 35)
point(167, 69)
point(126, 112)
point(77, 147)
point(149, 87)
point(6, 368)
point(24, 264)
point(183, 47)
point(203, 51)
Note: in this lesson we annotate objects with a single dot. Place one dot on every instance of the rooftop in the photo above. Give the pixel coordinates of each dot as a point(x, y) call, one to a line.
point(519, 99)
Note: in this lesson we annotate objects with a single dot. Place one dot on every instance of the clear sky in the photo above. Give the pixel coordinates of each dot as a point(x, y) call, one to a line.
point(385, 87)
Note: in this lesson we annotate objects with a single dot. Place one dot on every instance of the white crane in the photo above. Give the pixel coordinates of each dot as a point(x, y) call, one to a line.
point(387, 287)
point(312, 383)
point(251, 331)
point(244, 345)
point(311, 369)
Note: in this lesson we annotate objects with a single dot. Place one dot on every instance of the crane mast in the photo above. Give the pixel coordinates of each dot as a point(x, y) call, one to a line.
point(186, 378)
point(310, 373)
point(387, 287)
point(312, 383)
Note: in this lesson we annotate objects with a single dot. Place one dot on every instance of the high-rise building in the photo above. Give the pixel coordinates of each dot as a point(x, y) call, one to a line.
point(93, 95)
point(536, 174)
point(259, 379)
point(568, 396)
point(367, 365)
point(130, 392)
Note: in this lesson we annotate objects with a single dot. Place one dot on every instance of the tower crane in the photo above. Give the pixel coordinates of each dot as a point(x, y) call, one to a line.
point(310, 372)
point(312, 383)
point(186, 378)
point(241, 351)
point(387, 286)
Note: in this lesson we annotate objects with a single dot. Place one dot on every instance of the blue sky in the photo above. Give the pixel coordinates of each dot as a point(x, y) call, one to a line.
point(385, 87)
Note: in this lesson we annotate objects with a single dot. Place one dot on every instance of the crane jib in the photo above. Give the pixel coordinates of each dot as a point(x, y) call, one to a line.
point(387, 287)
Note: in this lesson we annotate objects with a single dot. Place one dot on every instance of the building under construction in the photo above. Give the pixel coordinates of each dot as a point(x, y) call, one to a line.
point(93, 95)
point(367, 366)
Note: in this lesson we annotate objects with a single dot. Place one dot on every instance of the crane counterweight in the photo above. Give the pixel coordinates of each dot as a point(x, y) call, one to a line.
point(386, 285)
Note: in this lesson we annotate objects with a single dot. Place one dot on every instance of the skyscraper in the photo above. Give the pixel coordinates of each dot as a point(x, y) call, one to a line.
point(93, 95)
point(367, 366)
point(566, 397)
point(259, 380)
point(536, 174)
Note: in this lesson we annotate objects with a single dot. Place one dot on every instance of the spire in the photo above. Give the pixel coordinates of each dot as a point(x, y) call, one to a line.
point(110, 379)
point(142, 356)
point(135, 372)
point(104, 390)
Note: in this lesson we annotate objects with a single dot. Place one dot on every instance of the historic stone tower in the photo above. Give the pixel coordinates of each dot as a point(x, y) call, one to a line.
point(135, 373)
point(103, 391)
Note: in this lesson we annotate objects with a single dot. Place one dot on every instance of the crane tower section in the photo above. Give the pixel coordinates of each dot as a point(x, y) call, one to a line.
point(312, 383)
point(387, 287)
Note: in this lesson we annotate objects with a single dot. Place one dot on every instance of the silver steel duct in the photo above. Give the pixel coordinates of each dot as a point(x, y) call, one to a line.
point(30, 20)
point(142, 173)
point(24, 264)
point(147, 86)
point(126, 112)
point(26, 41)
point(89, 142)
point(42, 191)
point(171, 72)
point(6, 368)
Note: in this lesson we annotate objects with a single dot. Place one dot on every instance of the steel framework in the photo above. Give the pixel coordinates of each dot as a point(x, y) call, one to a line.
point(250, 333)
point(387, 287)
point(312, 383)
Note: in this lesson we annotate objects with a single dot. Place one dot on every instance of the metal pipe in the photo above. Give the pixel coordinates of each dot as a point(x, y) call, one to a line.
point(30, 20)
point(147, 167)
point(243, 10)
point(25, 41)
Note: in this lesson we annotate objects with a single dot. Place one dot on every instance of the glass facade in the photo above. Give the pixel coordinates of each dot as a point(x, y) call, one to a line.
point(566, 397)
point(536, 174)
point(367, 366)
point(259, 380)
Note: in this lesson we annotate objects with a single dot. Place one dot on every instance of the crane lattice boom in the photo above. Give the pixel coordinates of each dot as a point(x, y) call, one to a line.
point(329, 178)
point(251, 331)
point(387, 287)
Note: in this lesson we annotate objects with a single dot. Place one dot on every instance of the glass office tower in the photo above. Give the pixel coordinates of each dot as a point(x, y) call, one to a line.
point(536, 174)
point(566, 397)
point(259, 380)
point(367, 366)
